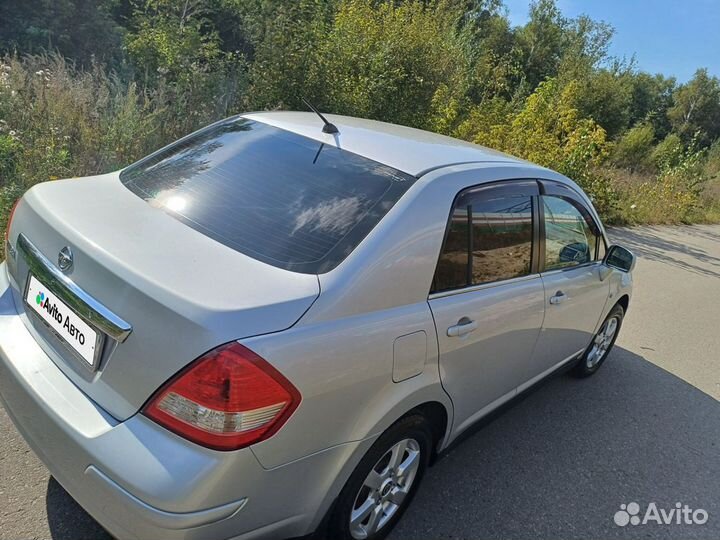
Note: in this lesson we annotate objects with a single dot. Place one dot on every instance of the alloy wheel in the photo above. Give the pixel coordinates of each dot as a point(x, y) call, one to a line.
point(602, 342)
point(385, 488)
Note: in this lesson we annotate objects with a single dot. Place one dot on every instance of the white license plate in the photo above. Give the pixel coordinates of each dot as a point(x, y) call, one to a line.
point(75, 332)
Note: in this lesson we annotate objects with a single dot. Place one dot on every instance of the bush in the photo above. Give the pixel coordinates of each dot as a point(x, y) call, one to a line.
point(675, 196)
point(664, 200)
point(633, 149)
point(712, 163)
point(668, 153)
point(9, 194)
point(548, 130)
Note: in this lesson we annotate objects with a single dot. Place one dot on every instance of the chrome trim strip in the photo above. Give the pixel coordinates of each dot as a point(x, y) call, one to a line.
point(10, 250)
point(77, 299)
point(481, 286)
point(554, 271)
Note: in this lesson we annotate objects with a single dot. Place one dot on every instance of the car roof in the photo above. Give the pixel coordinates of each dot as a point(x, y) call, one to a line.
point(410, 150)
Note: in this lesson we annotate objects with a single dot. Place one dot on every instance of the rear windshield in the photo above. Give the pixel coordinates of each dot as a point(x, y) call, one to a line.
point(281, 198)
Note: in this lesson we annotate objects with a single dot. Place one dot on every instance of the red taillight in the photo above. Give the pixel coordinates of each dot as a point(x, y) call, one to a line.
point(227, 399)
point(10, 218)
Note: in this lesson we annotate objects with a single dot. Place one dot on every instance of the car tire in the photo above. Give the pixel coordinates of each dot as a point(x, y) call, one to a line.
point(389, 473)
point(601, 344)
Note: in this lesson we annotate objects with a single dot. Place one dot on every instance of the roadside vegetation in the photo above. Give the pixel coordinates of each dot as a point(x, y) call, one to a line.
point(89, 86)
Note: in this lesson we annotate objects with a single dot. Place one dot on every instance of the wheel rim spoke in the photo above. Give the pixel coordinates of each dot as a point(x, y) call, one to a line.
point(408, 466)
point(384, 492)
point(398, 453)
point(375, 517)
point(611, 328)
point(359, 515)
point(601, 342)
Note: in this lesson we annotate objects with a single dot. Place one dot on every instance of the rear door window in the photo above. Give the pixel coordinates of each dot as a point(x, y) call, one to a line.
point(489, 238)
point(273, 195)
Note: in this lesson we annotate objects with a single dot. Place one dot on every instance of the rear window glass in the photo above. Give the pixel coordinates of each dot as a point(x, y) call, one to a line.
point(281, 198)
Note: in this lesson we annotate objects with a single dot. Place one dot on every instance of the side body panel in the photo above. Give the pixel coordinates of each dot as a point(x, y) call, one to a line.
point(344, 372)
point(489, 363)
point(340, 354)
point(570, 325)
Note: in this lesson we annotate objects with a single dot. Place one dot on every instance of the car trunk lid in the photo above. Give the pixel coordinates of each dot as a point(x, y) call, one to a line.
point(181, 292)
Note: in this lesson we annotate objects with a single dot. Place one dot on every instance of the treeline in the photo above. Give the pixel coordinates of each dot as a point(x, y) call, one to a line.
point(89, 86)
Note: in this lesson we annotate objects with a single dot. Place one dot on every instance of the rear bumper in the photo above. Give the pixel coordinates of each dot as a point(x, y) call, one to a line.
point(141, 481)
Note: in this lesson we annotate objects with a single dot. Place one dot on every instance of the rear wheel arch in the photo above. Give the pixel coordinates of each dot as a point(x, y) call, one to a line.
point(422, 394)
point(437, 417)
point(411, 433)
point(428, 401)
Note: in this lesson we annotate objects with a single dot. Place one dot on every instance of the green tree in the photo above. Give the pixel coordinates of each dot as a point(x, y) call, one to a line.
point(388, 62)
point(696, 112)
point(285, 39)
point(82, 30)
point(172, 38)
point(178, 57)
point(606, 97)
point(652, 96)
point(493, 55)
point(131, 75)
point(542, 42)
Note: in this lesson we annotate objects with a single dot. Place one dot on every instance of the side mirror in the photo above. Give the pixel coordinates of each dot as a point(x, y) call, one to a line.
point(577, 252)
point(620, 258)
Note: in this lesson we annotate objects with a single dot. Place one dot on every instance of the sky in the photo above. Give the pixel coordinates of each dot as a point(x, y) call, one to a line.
point(672, 37)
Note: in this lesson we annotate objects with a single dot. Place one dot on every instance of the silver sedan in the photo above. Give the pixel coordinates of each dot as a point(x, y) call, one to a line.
point(274, 325)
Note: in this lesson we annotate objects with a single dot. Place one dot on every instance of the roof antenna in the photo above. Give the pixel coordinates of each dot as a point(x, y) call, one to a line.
point(328, 127)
